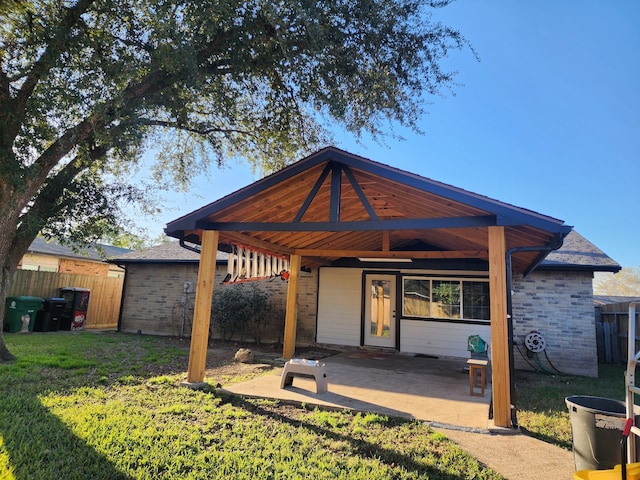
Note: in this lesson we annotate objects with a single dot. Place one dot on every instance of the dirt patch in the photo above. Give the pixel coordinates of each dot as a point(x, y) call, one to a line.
point(222, 368)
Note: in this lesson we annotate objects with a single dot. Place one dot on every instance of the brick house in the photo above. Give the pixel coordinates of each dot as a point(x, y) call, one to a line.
point(159, 290)
point(50, 256)
point(406, 263)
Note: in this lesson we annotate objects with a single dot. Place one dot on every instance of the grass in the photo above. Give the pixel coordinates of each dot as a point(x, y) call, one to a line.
point(542, 411)
point(108, 406)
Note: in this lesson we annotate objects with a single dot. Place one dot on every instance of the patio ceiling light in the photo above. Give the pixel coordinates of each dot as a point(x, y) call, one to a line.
point(386, 259)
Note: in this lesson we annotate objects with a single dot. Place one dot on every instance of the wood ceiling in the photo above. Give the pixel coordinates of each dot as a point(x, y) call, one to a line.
point(334, 204)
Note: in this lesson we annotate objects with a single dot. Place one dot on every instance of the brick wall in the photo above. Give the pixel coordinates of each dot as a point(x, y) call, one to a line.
point(559, 305)
point(81, 267)
point(307, 307)
point(155, 302)
point(153, 298)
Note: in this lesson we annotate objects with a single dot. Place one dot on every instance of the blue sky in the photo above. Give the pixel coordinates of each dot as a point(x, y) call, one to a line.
point(548, 119)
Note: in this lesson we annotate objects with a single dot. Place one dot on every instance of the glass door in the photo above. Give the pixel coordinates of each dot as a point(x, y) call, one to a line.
point(380, 311)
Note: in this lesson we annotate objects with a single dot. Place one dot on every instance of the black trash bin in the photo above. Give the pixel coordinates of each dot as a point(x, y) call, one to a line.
point(48, 319)
point(19, 310)
point(74, 314)
point(596, 428)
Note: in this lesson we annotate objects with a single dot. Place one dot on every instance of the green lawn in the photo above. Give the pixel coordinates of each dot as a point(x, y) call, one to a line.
point(540, 399)
point(108, 406)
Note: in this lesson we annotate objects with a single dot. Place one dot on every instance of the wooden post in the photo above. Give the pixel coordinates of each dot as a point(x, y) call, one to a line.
point(202, 309)
point(501, 383)
point(291, 318)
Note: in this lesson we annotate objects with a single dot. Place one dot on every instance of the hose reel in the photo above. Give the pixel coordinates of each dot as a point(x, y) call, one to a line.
point(534, 342)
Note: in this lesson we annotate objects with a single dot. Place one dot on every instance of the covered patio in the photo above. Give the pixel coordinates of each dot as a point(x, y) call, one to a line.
point(334, 207)
point(428, 389)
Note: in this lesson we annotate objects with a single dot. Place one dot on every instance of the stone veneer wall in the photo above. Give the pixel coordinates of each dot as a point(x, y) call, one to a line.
point(559, 305)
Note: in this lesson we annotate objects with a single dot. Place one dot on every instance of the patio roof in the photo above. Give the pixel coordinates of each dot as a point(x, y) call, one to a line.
point(334, 204)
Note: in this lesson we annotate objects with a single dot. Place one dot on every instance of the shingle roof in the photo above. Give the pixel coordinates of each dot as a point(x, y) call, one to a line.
point(578, 253)
point(610, 299)
point(170, 252)
point(99, 252)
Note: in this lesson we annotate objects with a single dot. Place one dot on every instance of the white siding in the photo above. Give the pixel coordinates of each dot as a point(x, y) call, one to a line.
point(339, 306)
point(440, 339)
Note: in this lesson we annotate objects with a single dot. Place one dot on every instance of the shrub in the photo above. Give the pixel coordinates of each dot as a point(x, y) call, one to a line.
point(244, 311)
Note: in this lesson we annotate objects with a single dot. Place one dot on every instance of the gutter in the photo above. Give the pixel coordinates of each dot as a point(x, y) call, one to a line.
point(544, 251)
point(122, 297)
point(188, 247)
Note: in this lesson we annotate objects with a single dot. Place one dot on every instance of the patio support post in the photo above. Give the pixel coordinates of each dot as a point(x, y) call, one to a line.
point(501, 384)
point(291, 318)
point(202, 309)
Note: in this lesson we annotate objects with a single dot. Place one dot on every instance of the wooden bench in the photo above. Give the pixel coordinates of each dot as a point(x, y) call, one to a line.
point(477, 376)
point(299, 367)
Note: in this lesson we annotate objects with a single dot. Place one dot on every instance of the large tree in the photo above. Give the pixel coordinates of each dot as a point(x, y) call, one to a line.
point(87, 86)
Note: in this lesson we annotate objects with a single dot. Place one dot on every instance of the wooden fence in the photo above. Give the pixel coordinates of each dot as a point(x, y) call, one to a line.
point(612, 328)
point(104, 301)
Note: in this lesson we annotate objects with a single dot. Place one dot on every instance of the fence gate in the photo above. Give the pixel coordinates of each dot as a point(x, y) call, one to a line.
point(612, 327)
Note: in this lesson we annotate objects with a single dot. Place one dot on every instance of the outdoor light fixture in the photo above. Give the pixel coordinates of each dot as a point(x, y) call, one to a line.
point(386, 259)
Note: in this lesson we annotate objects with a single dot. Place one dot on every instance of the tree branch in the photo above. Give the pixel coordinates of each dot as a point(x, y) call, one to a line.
point(186, 128)
point(48, 201)
point(54, 48)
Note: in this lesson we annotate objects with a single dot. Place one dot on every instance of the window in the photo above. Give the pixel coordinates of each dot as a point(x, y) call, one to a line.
point(425, 297)
point(416, 297)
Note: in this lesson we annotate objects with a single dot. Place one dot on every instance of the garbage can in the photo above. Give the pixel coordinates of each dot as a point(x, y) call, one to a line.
point(20, 311)
point(48, 319)
point(596, 429)
point(74, 314)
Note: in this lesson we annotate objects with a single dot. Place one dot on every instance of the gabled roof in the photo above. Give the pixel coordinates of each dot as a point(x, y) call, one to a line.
point(97, 252)
point(578, 253)
point(334, 201)
point(170, 252)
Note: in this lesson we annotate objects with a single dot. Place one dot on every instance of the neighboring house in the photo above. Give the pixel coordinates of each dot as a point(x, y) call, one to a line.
point(49, 256)
point(601, 300)
point(403, 262)
point(159, 289)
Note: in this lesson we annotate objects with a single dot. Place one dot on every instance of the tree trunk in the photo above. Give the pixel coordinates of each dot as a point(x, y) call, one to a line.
point(5, 284)
point(12, 248)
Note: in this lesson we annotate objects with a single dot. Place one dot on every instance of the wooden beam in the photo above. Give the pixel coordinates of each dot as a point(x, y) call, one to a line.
point(444, 254)
point(354, 226)
point(501, 381)
point(291, 317)
point(202, 309)
point(386, 240)
point(356, 188)
point(312, 194)
point(336, 190)
point(250, 241)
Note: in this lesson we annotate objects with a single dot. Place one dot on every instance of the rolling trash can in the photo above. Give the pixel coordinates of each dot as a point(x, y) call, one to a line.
point(596, 429)
point(48, 319)
point(74, 315)
point(21, 311)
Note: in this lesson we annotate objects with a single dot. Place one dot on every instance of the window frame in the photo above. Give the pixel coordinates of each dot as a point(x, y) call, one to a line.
point(460, 306)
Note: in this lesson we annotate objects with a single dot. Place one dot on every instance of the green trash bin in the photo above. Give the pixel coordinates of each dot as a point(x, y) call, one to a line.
point(21, 309)
point(596, 430)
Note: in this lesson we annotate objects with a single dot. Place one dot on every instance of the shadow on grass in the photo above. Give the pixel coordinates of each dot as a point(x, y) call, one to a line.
point(362, 448)
point(39, 446)
point(547, 438)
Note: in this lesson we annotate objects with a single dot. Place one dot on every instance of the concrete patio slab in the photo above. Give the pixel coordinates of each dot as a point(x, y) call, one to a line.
point(432, 390)
point(428, 389)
